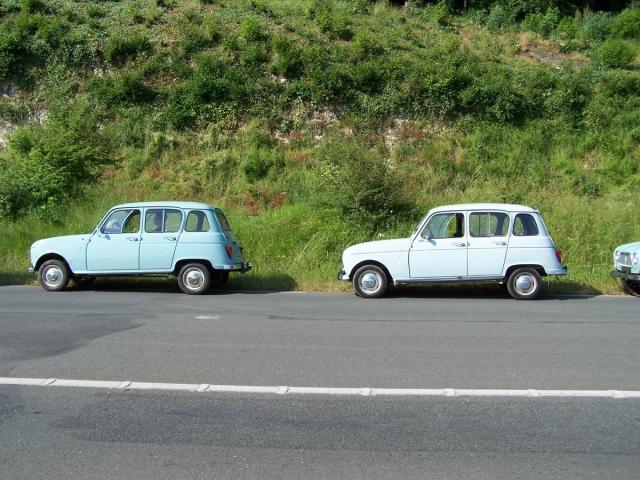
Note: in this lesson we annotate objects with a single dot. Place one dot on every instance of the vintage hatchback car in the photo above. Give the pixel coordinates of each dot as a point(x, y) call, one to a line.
point(626, 263)
point(490, 242)
point(192, 241)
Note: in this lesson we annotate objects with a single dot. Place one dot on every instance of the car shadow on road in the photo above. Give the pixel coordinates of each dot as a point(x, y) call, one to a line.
point(553, 290)
point(257, 284)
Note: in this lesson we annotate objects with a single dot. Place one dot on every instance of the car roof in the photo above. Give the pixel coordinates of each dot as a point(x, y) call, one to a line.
point(507, 207)
point(167, 203)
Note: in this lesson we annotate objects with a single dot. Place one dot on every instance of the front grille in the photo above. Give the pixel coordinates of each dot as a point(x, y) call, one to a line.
point(625, 259)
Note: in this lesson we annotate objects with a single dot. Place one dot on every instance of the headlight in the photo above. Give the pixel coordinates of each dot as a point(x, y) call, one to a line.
point(617, 255)
point(634, 258)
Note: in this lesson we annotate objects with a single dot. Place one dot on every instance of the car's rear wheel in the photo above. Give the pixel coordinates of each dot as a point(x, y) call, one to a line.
point(524, 284)
point(54, 275)
point(370, 281)
point(630, 287)
point(194, 278)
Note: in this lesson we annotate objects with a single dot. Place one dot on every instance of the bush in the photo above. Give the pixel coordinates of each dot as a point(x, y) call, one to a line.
point(596, 25)
point(373, 197)
point(51, 163)
point(626, 24)
point(258, 162)
point(120, 48)
point(567, 28)
point(497, 18)
point(252, 30)
point(366, 46)
point(127, 87)
point(615, 53)
point(287, 58)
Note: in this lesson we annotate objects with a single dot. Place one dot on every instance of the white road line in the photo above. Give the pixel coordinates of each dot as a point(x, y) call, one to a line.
point(284, 390)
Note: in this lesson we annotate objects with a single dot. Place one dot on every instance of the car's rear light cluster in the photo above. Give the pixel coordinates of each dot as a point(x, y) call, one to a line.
point(559, 255)
point(229, 250)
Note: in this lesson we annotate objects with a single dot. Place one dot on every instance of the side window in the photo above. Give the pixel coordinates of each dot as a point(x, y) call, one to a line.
point(488, 224)
point(222, 219)
point(525, 225)
point(444, 225)
point(132, 223)
point(197, 221)
point(158, 220)
point(122, 221)
point(172, 221)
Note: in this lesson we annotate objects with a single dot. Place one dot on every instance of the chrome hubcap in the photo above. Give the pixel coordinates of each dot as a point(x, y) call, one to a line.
point(369, 281)
point(525, 284)
point(193, 279)
point(52, 276)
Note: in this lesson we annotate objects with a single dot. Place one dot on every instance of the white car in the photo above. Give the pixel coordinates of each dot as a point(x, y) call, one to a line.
point(476, 242)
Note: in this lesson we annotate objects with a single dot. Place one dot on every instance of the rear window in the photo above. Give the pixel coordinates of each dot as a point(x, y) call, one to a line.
point(525, 225)
point(222, 220)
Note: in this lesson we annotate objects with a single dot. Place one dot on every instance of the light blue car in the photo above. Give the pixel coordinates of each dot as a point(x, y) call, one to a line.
point(192, 241)
point(626, 261)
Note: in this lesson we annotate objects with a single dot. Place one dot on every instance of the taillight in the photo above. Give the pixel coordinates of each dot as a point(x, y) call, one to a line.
point(559, 255)
point(229, 250)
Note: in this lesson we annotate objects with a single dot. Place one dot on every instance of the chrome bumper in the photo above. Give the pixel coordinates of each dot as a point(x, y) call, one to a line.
point(343, 276)
point(32, 270)
point(626, 276)
point(237, 267)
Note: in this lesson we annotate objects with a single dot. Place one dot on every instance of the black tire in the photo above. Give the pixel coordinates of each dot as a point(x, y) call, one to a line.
point(194, 279)
point(631, 288)
point(524, 284)
point(370, 281)
point(54, 275)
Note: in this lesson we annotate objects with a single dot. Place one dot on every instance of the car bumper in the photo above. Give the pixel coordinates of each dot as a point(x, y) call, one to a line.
point(235, 267)
point(32, 270)
point(626, 276)
point(342, 275)
point(561, 271)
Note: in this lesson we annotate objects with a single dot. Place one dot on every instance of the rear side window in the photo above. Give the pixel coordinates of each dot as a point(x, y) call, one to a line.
point(488, 224)
point(525, 225)
point(222, 220)
point(197, 221)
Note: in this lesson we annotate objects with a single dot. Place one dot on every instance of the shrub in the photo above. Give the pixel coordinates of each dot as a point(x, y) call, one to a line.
point(120, 48)
point(287, 58)
point(366, 46)
point(626, 24)
point(52, 162)
point(258, 162)
point(252, 30)
point(615, 53)
point(125, 87)
point(497, 18)
point(596, 25)
point(567, 28)
point(373, 197)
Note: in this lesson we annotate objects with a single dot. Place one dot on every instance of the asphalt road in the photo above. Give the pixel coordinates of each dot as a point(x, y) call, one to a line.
point(411, 340)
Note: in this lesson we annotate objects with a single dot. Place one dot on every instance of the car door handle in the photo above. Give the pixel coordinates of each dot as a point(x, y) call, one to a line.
point(171, 239)
point(502, 244)
point(460, 244)
point(132, 239)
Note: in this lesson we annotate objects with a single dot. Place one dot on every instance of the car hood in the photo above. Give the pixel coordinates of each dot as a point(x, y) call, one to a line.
point(65, 240)
point(633, 247)
point(379, 246)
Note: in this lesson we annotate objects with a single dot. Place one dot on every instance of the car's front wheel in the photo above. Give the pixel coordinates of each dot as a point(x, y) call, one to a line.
point(370, 281)
point(194, 279)
point(54, 275)
point(524, 284)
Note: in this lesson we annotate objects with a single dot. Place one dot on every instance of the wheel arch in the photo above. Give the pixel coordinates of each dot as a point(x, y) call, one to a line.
point(539, 268)
point(182, 262)
point(51, 256)
point(371, 262)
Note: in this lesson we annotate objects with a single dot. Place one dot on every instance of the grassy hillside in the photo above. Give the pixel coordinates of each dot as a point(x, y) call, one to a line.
point(317, 124)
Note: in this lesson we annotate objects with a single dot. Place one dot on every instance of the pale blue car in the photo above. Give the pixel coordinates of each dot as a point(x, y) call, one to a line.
point(192, 241)
point(626, 262)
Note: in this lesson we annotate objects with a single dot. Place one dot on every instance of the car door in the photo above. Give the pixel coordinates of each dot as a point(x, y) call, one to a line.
point(116, 243)
point(160, 234)
point(488, 239)
point(440, 249)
